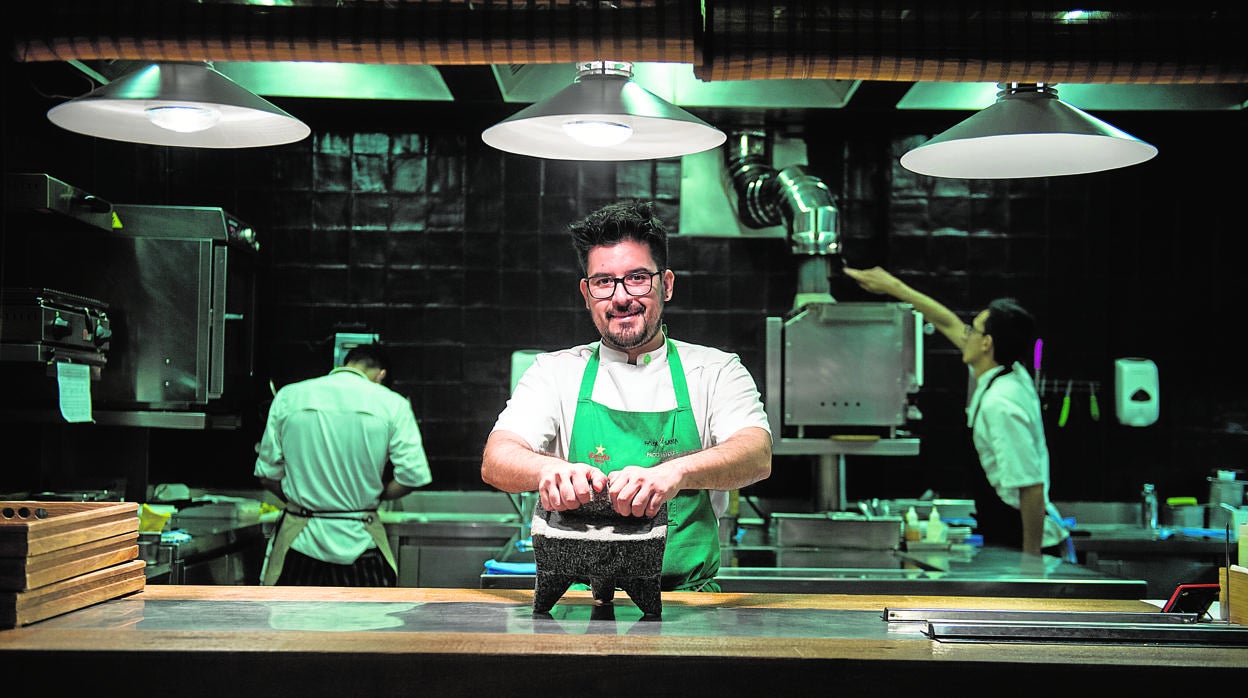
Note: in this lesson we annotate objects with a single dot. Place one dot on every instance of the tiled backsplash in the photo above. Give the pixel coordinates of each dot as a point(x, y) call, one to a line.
point(456, 254)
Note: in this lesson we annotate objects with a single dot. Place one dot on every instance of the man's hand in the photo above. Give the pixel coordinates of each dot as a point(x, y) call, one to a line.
point(565, 485)
point(637, 491)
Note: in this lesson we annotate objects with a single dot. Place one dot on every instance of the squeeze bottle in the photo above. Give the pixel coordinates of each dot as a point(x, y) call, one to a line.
point(912, 530)
point(936, 532)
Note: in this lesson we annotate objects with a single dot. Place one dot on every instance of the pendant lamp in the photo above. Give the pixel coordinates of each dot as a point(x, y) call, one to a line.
point(1028, 132)
point(179, 104)
point(603, 115)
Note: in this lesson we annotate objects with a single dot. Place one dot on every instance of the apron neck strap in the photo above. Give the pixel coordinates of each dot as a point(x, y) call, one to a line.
point(679, 384)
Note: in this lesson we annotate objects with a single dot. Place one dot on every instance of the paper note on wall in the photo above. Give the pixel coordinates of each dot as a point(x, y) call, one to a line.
point(74, 384)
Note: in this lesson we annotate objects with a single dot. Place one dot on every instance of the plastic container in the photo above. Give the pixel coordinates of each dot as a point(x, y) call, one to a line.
point(912, 531)
point(1148, 506)
point(936, 532)
point(1183, 512)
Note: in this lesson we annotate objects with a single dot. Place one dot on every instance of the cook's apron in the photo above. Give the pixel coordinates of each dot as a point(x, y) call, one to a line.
point(613, 439)
point(293, 521)
point(998, 522)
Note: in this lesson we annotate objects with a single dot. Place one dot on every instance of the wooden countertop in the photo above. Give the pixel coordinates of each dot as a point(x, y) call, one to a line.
point(201, 640)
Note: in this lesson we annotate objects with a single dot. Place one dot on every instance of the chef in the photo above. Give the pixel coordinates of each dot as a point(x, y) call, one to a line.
point(646, 418)
point(1012, 506)
point(324, 453)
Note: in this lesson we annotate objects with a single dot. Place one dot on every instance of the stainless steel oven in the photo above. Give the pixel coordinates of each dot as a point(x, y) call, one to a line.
point(180, 284)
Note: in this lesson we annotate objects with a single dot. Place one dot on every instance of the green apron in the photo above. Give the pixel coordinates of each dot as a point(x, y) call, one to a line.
point(612, 439)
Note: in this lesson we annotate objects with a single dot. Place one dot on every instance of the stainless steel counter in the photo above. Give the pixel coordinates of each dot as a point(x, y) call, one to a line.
point(213, 551)
point(968, 572)
point(1164, 558)
point(200, 640)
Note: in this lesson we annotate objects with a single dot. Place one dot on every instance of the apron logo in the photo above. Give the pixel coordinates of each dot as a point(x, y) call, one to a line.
point(663, 449)
point(599, 454)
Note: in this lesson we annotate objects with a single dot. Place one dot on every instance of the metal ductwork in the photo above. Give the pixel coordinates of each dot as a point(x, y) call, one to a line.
point(1194, 42)
point(766, 197)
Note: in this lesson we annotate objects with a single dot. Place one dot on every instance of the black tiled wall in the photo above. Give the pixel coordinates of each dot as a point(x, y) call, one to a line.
point(455, 254)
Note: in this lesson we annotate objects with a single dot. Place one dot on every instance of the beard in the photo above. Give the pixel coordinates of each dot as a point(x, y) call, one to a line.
point(640, 328)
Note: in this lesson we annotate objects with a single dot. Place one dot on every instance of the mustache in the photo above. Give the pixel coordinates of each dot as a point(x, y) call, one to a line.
point(630, 307)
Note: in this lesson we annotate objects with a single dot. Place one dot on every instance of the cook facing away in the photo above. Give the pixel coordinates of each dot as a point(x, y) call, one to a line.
point(324, 453)
point(1004, 416)
point(647, 418)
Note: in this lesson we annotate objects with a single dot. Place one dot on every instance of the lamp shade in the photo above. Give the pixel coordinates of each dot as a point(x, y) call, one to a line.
point(1027, 132)
point(179, 104)
point(604, 115)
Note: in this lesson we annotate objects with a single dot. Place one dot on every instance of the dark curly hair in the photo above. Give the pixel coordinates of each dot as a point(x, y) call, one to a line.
point(615, 223)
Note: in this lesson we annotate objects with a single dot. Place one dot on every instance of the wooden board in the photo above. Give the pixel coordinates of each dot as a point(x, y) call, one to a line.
point(22, 573)
point(26, 607)
point(64, 524)
point(1234, 594)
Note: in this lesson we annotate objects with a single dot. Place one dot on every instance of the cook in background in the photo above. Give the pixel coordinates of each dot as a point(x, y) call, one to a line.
point(1007, 429)
point(649, 418)
point(325, 450)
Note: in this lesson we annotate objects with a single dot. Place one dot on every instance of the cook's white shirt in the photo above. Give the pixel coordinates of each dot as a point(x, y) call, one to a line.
point(328, 440)
point(1008, 433)
point(722, 394)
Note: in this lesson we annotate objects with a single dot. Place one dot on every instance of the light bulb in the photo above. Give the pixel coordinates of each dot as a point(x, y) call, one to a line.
point(598, 134)
point(183, 118)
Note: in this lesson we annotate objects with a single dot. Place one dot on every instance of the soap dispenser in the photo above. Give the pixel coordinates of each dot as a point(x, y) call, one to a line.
point(936, 532)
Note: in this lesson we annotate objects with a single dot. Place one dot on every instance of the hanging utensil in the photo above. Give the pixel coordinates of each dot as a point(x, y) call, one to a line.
point(1061, 418)
point(1093, 408)
point(1035, 362)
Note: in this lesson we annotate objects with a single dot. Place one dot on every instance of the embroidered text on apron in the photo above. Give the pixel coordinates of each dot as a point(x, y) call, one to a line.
point(612, 439)
point(294, 519)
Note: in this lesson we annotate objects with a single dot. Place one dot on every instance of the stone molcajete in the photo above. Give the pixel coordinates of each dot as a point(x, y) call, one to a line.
point(594, 545)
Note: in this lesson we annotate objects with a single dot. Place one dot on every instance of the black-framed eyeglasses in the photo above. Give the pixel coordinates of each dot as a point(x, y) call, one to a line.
point(637, 283)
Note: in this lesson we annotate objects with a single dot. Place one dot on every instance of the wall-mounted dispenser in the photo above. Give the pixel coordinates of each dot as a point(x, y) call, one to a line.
point(1137, 391)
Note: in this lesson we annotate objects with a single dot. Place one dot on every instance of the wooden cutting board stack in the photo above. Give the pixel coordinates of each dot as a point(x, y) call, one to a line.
point(56, 557)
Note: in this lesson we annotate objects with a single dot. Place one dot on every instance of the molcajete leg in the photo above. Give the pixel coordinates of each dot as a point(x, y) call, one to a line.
point(548, 588)
point(645, 593)
point(603, 589)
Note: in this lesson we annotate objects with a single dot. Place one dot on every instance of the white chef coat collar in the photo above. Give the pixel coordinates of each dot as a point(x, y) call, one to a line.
point(349, 369)
point(607, 354)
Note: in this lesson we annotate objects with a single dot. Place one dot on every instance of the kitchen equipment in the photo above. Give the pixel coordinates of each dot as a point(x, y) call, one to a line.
point(42, 332)
point(1224, 489)
point(180, 286)
point(837, 530)
point(1065, 413)
point(838, 381)
point(1148, 506)
point(593, 542)
point(1183, 512)
point(41, 325)
point(847, 367)
point(42, 202)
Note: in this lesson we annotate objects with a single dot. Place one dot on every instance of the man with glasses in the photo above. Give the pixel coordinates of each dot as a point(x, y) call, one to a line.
point(648, 419)
point(1004, 416)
